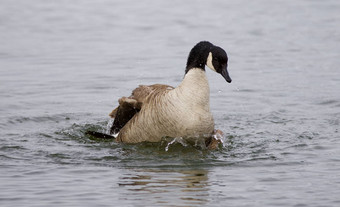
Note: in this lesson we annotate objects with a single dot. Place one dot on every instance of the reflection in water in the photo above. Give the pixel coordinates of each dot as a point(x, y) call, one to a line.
point(167, 187)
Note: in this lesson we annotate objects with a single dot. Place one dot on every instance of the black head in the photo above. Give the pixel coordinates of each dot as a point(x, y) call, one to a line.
point(205, 53)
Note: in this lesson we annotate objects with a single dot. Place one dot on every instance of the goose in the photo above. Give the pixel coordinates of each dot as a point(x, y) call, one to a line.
point(153, 112)
point(156, 111)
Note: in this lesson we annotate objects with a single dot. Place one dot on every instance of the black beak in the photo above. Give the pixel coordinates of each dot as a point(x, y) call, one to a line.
point(225, 74)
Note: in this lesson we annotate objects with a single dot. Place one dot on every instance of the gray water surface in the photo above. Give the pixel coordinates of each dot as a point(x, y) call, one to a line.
point(64, 64)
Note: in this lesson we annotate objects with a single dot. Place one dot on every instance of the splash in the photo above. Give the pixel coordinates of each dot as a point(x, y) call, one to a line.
point(108, 126)
point(176, 140)
point(217, 141)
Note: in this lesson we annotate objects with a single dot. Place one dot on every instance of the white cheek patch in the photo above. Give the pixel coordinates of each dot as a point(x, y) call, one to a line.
point(209, 62)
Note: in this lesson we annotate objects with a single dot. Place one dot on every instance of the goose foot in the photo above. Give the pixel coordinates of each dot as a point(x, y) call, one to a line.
point(215, 140)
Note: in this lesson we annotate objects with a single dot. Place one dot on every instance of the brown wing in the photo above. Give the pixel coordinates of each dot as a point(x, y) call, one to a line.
point(130, 106)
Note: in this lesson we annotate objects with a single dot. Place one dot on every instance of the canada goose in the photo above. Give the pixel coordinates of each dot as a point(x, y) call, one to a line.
point(157, 111)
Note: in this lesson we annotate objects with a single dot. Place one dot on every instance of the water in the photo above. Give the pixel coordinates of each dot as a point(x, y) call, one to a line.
point(64, 65)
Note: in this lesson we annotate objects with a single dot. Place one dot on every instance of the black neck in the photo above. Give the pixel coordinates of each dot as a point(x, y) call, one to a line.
point(198, 55)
